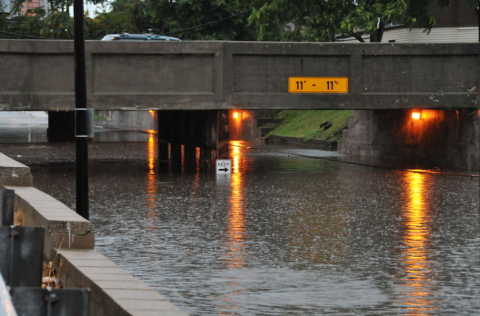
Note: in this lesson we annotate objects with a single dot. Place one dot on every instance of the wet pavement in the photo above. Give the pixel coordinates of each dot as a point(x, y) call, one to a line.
point(283, 235)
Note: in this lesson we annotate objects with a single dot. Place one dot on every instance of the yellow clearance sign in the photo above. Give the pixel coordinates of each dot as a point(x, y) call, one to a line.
point(318, 85)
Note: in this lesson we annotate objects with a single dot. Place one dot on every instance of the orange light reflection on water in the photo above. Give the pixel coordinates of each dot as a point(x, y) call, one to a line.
point(419, 277)
point(236, 219)
point(152, 177)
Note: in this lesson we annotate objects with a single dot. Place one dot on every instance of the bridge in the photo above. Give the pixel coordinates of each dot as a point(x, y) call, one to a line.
point(39, 75)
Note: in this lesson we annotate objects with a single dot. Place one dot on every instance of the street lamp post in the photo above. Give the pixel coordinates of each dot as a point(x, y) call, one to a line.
point(81, 137)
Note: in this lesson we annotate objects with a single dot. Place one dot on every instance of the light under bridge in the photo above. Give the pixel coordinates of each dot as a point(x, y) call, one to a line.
point(39, 75)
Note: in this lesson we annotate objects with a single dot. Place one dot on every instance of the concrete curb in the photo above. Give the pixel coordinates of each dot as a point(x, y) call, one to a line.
point(14, 173)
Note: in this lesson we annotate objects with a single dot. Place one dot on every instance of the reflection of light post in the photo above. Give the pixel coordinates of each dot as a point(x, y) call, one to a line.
point(81, 137)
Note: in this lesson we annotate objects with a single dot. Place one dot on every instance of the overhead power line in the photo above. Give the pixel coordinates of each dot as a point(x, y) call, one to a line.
point(206, 24)
point(21, 35)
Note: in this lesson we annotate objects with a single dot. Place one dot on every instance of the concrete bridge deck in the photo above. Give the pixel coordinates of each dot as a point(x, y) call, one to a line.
point(38, 75)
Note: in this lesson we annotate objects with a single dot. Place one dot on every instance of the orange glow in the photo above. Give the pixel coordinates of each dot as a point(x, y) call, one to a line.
point(236, 225)
point(235, 115)
point(151, 154)
point(152, 112)
point(151, 131)
point(151, 188)
point(416, 115)
point(418, 279)
point(197, 158)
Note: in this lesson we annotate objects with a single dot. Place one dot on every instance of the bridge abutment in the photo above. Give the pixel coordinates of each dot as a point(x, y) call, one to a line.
point(438, 138)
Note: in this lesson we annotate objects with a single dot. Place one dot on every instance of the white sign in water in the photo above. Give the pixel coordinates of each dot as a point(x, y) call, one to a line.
point(224, 166)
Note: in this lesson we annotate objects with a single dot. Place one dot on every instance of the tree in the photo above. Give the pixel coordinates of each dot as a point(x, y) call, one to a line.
point(322, 20)
point(36, 23)
point(187, 19)
point(171, 17)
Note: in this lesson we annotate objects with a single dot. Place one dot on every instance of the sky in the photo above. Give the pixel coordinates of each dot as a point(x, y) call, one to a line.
point(91, 8)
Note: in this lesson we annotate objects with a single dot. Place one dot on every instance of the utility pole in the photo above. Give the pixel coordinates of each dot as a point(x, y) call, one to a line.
point(81, 137)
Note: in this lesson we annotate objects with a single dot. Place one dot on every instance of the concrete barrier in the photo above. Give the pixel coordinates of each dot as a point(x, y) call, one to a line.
point(114, 291)
point(14, 173)
point(64, 228)
point(69, 244)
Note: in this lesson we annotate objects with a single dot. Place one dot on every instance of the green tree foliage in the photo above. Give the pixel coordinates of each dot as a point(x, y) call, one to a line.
point(140, 16)
point(322, 20)
point(169, 17)
point(299, 20)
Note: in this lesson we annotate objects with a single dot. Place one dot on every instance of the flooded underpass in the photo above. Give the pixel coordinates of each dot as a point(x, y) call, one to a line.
point(284, 235)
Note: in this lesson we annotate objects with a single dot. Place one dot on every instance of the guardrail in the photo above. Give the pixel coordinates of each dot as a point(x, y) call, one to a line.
point(21, 272)
point(69, 245)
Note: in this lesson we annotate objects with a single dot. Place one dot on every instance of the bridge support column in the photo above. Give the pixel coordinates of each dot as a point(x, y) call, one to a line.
point(176, 157)
point(162, 128)
point(205, 129)
point(222, 134)
point(190, 160)
point(61, 126)
point(205, 158)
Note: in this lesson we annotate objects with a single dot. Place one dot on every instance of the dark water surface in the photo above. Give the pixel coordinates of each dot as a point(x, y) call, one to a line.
point(287, 235)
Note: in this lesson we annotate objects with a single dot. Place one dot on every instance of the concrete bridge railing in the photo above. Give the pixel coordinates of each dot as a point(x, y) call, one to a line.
point(38, 75)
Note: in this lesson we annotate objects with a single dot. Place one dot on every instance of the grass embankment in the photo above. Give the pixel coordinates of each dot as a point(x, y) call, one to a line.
point(306, 124)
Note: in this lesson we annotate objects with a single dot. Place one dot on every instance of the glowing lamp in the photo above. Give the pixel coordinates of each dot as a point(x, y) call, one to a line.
point(235, 114)
point(416, 115)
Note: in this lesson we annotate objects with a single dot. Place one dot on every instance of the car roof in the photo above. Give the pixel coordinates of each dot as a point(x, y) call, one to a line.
point(138, 37)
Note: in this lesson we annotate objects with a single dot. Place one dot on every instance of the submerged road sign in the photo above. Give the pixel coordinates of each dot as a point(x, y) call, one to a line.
point(224, 166)
point(318, 85)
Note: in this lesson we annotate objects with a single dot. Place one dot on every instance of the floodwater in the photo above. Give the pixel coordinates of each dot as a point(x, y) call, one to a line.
point(284, 234)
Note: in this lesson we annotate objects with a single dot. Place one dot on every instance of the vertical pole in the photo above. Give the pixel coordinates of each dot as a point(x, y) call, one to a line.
point(205, 158)
point(222, 134)
point(190, 158)
point(81, 137)
point(162, 140)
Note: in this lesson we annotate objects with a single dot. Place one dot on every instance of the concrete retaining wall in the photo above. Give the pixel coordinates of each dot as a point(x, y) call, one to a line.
point(69, 243)
point(440, 138)
point(128, 120)
point(300, 143)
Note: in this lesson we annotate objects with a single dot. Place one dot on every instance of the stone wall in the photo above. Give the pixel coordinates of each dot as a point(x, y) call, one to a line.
point(440, 138)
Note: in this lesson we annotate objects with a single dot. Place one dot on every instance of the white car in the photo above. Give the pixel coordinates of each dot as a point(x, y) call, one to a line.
point(138, 37)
